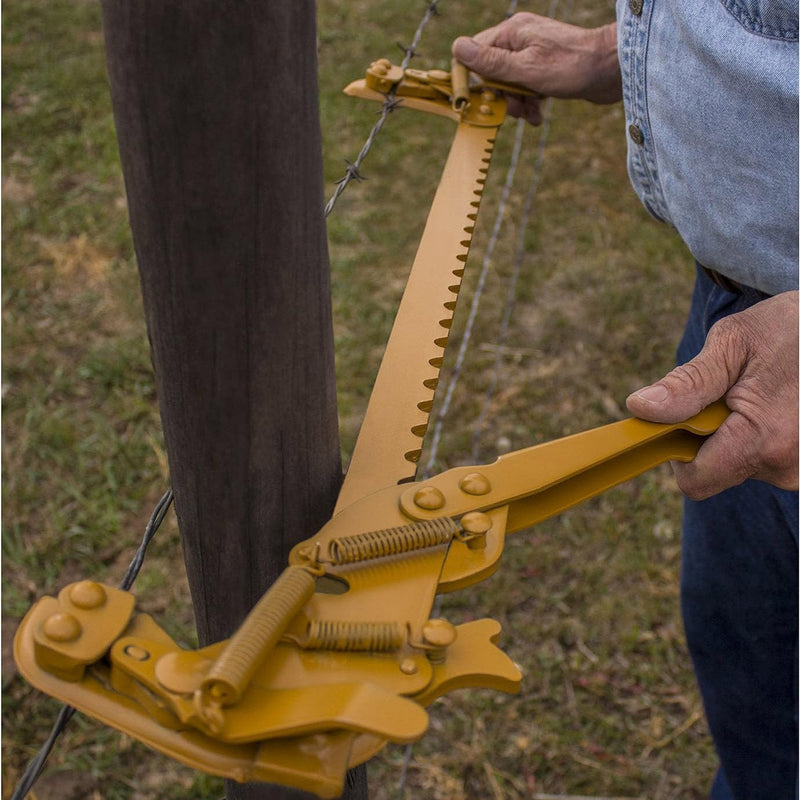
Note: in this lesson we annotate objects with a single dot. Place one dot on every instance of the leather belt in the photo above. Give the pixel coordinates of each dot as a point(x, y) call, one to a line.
point(730, 285)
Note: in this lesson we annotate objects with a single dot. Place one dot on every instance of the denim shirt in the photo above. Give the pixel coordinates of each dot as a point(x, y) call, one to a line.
point(711, 107)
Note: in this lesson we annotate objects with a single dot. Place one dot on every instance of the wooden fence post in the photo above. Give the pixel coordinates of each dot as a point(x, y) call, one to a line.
point(218, 126)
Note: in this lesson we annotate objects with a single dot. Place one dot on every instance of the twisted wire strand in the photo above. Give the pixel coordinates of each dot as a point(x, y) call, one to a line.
point(37, 763)
point(390, 103)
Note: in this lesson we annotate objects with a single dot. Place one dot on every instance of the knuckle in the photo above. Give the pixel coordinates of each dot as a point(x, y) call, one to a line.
point(688, 376)
point(491, 61)
point(730, 337)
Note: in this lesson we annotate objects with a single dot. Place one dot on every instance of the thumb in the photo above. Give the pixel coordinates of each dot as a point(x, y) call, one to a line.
point(689, 388)
point(495, 63)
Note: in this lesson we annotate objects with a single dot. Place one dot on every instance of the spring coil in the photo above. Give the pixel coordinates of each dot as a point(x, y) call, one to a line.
point(391, 541)
point(259, 633)
point(374, 637)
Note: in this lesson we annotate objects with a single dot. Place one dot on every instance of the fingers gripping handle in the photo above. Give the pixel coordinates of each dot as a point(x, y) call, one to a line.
point(228, 679)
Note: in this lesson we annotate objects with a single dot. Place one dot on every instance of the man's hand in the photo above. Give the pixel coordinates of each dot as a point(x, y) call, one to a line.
point(552, 58)
point(751, 360)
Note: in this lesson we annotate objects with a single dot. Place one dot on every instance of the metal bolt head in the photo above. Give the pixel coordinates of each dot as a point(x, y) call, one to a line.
point(487, 95)
point(87, 594)
point(476, 525)
point(475, 483)
point(476, 522)
point(429, 497)
point(439, 632)
point(62, 627)
point(485, 109)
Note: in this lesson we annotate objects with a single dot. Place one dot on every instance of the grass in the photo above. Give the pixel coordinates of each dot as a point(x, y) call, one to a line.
point(588, 602)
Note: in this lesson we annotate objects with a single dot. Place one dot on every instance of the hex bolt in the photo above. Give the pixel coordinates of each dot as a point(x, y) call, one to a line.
point(429, 497)
point(475, 483)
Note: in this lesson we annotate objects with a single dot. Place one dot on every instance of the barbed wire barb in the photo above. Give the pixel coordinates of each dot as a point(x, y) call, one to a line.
point(389, 104)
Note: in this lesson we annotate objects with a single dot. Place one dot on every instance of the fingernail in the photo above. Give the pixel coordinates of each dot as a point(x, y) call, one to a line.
point(465, 49)
point(657, 393)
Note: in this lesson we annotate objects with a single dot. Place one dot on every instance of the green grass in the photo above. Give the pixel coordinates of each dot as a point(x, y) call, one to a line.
point(588, 601)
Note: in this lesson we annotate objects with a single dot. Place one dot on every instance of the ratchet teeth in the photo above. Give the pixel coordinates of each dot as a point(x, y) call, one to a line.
point(419, 430)
point(390, 443)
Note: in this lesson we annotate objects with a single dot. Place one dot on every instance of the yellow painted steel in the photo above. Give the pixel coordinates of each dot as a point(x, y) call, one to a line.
point(341, 654)
point(389, 443)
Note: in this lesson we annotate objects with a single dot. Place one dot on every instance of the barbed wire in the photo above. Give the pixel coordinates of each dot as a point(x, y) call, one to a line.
point(37, 763)
point(352, 173)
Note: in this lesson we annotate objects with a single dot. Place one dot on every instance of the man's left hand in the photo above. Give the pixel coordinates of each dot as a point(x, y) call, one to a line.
point(750, 359)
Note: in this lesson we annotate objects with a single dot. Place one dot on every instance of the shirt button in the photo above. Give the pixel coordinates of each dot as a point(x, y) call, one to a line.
point(636, 6)
point(635, 132)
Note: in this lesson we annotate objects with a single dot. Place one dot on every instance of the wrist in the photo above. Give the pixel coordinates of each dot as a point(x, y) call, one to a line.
point(604, 80)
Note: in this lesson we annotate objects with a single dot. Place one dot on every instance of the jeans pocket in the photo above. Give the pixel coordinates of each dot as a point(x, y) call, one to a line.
point(774, 19)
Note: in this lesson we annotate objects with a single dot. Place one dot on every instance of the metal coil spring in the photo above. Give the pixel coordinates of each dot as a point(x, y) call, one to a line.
point(375, 637)
point(391, 541)
point(259, 633)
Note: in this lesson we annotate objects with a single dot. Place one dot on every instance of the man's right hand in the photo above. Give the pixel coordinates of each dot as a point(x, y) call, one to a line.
point(549, 57)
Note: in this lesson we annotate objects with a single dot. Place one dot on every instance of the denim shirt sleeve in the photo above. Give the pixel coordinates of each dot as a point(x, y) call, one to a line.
point(711, 106)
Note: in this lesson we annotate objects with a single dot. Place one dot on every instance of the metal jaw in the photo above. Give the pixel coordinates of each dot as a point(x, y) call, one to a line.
point(449, 94)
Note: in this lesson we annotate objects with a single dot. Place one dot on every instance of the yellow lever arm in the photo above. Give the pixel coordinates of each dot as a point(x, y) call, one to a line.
point(541, 481)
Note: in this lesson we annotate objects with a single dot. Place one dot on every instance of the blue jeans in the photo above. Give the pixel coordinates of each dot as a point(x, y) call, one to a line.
point(739, 597)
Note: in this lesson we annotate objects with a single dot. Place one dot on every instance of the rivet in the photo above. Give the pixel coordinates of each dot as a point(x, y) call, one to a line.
point(485, 109)
point(62, 627)
point(408, 666)
point(87, 594)
point(475, 483)
point(487, 95)
point(429, 498)
point(136, 653)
